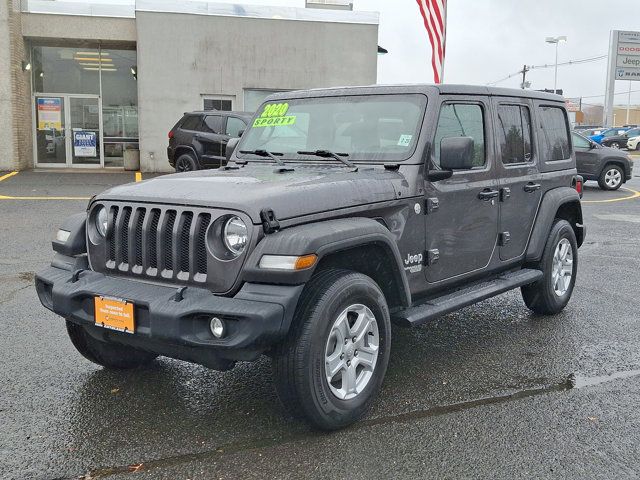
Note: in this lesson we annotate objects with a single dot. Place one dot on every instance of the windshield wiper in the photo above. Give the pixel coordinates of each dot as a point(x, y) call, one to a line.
point(328, 154)
point(265, 153)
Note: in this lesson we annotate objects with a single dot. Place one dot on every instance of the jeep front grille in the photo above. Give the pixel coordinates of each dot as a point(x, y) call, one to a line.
point(165, 243)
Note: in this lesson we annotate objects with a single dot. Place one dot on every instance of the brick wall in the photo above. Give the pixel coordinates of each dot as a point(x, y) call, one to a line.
point(15, 92)
point(21, 93)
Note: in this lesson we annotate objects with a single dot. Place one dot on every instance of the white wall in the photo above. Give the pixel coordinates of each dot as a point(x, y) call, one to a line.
point(183, 56)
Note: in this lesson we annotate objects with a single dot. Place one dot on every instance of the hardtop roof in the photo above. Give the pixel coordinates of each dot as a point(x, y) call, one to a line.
point(442, 89)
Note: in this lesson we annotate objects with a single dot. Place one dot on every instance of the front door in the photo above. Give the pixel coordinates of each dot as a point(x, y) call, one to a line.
point(84, 126)
point(462, 211)
point(520, 180)
point(587, 158)
point(68, 131)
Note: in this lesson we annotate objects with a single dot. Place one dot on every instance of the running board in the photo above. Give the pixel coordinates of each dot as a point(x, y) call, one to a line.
point(466, 296)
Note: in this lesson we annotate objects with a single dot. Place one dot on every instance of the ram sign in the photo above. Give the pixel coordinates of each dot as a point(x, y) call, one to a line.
point(627, 51)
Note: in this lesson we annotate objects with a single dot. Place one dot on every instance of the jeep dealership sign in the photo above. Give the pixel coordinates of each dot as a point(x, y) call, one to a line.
point(624, 64)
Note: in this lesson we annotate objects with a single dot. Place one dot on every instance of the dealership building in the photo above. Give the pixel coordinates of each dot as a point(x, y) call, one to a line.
point(81, 83)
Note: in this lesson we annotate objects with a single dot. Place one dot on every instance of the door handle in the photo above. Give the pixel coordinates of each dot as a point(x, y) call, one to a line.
point(531, 187)
point(488, 194)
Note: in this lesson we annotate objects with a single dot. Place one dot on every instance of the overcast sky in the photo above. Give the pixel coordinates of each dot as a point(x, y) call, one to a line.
point(490, 39)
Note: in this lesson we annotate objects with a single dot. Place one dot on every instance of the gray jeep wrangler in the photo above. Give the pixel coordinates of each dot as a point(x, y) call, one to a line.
point(340, 212)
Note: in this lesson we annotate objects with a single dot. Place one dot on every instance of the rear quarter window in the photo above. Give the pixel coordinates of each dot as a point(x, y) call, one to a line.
point(191, 122)
point(554, 134)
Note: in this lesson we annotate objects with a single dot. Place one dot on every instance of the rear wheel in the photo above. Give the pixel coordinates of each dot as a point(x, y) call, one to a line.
point(186, 163)
point(611, 177)
point(559, 265)
point(331, 367)
point(108, 355)
point(615, 145)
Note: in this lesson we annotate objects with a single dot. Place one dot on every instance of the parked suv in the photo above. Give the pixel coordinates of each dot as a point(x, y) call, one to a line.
point(341, 212)
point(608, 166)
point(199, 139)
point(620, 141)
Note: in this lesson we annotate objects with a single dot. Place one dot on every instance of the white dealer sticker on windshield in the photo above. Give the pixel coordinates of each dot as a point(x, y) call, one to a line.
point(404, 140)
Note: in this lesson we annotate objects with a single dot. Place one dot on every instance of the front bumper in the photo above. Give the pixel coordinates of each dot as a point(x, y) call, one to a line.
point(256, 317)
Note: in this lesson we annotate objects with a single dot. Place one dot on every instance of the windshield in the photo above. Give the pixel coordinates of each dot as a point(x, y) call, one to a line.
point(364, 127)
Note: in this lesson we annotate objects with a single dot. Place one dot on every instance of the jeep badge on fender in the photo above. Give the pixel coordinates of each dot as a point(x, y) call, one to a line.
point(339, 215)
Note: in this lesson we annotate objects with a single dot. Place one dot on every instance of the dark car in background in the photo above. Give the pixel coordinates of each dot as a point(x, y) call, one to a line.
point(620, 141)
point(199, 139)
point(608, 166)
point(607, 133)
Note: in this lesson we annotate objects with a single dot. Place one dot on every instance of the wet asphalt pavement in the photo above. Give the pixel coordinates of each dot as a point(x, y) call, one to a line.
point(481, 393)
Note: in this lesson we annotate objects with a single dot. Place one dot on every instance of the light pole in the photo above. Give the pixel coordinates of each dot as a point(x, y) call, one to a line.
point(556, 40)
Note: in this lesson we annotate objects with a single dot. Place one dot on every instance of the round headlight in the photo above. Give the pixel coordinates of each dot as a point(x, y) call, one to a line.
point(235, 235)
point(101, 220)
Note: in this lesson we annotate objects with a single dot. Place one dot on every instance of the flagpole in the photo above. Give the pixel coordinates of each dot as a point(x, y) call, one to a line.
point(444, 50)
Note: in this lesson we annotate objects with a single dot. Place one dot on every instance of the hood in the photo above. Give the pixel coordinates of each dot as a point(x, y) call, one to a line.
point(253, 187)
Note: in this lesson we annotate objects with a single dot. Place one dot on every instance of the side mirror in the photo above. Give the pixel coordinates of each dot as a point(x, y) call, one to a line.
point(231, 146)
point(592, 145)
point(456, 153)
point(241, 132)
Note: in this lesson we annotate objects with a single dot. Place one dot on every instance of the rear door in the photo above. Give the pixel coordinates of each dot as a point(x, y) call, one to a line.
point(213, 140)
point(462, 211)
point(520, 180)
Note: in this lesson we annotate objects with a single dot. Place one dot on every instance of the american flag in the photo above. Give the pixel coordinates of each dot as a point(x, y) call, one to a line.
point(434, 13)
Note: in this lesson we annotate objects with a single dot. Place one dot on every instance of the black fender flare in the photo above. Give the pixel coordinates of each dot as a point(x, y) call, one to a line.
point(192, 150)
point(323, 239)
point(552, 201)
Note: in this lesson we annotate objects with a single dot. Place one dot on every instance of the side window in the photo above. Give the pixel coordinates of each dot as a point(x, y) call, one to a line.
point(234, 125)
point(191, 123)
point(212, 124)
point(460, 120)
point(514, 132)
point(580, 142)
point(555, 134)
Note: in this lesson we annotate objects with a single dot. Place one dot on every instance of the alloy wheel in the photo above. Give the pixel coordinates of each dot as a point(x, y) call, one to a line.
point(562, 269)
point(612, 178)
point(351, 352)
point(183, 166)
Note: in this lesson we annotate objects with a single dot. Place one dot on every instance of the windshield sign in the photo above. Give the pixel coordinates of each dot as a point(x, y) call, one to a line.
point(364, 128)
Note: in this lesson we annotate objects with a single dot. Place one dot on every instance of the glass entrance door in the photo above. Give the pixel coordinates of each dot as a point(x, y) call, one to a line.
point(84, 126)
point(68, 131)
point(50, 138)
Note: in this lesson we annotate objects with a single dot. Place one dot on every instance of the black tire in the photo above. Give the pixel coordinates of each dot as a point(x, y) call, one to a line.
point(610, 172)
point(108, 355)
point(186, 163)
point(299, 363)
point(615, 145)
point(541, 296)
point(638, 147)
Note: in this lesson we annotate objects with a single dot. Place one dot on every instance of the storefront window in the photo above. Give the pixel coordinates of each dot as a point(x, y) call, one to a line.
point(108, 77)
point(119, 105)
point(66, 70)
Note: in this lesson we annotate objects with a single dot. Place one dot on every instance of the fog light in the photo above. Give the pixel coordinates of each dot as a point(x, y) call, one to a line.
point(217, 327)
point(62, 236)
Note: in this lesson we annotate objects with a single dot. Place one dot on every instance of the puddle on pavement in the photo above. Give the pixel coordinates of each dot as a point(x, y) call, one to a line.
point(578, 381)
point(570, 382)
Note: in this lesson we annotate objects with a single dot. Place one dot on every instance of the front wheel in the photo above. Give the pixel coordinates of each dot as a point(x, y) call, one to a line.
point(559, 265)
point(611, 177)
point(615, 145)
point(331, 367)
point(108, 355)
